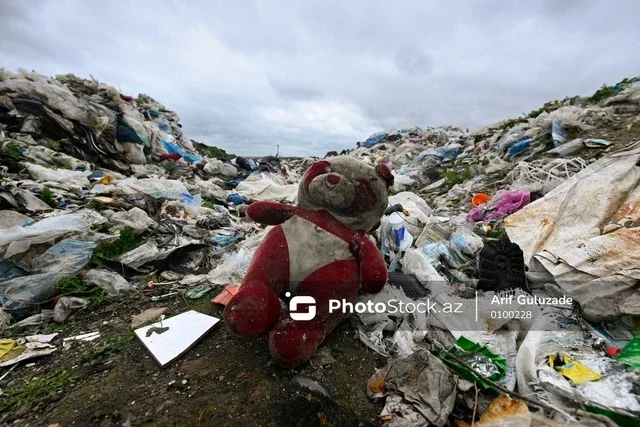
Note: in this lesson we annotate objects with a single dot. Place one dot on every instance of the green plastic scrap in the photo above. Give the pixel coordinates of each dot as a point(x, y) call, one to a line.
point(483, 360)
point(619, 419)
point(630, 354)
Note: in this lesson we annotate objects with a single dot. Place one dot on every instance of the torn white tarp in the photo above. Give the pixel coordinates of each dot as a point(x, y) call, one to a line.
point(586, 233)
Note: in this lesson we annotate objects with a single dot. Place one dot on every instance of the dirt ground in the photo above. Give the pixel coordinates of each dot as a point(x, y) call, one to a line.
point(222, 381)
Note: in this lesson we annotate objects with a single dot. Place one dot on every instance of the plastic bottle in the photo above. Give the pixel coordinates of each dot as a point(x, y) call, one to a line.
point(401, 237)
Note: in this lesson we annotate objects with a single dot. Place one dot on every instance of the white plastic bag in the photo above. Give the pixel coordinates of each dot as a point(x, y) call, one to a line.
point(113, 283)
point(20, 239)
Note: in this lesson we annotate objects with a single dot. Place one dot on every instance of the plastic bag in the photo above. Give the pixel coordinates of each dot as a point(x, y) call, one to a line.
point(233, 268)
point(480, 358)
point(509, 139)
point(418, 211)
point(228, 170)
point(20, 239)
point(11, 269)
point(630, 354)
point(374, 139)
point(135, 218)
point(141, 255)
point(558, 134)
point(40, 173)
point(67, 257)
point(65, 306)
point(175, 148)
point(154, 187)
point(520, 146)
point(112, 283)
point(10, 219)
point(22, 292)
point(502, 204)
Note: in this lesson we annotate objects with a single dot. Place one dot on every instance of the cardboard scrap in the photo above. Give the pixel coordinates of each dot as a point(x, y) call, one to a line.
point(227, 293)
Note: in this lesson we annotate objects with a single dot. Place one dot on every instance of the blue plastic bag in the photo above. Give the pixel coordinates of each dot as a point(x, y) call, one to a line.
point(375, 139)
point(520, 146)
point(558, 133)
point(175, 148)
point(237, 199)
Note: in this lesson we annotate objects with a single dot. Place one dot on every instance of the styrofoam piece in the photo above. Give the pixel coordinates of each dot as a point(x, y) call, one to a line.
point(171, 338)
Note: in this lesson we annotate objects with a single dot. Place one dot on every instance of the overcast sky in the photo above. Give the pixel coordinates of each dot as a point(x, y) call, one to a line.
point(320, 75)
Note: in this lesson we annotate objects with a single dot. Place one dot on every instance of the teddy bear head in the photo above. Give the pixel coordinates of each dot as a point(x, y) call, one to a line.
point(354, 192)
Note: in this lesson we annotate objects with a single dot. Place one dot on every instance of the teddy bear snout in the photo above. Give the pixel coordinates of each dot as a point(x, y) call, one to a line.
point(332, 190)
point(333, 179)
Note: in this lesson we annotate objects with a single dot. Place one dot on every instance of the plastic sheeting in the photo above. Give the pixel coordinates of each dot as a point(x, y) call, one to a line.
point(41, 173)
point(66, 257)
point(586, 233)
point(20, 239)
point(155, 187)
point(267, 187)
point(21, 292)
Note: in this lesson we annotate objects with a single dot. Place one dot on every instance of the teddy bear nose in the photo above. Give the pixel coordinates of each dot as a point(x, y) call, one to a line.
point(333, 179)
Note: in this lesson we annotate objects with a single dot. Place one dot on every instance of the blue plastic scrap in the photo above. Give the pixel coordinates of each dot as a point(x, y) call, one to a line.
point(175, 148)
point(520, 146)
point(558, 134)
point(11, 269)
point(375, 139)
point(444, 153)
point(237, 199)
point(127, 133)
point(222, 239)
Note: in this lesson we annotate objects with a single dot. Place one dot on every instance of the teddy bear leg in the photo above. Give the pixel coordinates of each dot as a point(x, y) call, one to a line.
point(293, 342)
point(256, 307)
point(252, 311)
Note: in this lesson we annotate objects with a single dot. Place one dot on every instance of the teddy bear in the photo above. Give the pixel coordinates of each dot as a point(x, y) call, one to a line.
point(319, 249)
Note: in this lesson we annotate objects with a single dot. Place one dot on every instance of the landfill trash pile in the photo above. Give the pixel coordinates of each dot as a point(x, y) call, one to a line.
point(523, 239)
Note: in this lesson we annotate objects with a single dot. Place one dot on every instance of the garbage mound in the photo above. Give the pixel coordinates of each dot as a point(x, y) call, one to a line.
point(520, 241)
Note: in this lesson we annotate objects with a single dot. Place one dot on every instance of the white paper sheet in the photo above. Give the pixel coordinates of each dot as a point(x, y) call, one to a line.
point(170, 338)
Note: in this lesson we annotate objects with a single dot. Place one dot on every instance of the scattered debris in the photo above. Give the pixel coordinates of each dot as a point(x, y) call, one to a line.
point(84, 337)
point(105, 202)
point(149, 315)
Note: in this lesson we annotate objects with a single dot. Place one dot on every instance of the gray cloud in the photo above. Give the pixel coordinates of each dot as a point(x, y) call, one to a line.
point(318, 76)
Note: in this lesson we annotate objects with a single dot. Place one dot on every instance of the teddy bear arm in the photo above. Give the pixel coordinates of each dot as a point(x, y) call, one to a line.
point(270, 213)
point(373, 270)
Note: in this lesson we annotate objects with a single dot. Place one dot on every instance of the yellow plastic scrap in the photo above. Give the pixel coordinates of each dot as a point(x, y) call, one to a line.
point(573, 370)
point(5, 346)
point(106, 179)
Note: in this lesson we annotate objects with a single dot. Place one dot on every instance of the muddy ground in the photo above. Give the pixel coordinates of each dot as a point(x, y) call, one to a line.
point(222, 381)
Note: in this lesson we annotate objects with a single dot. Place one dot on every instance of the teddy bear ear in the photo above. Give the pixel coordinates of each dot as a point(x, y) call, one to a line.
point(383, 170)
point(317, 168)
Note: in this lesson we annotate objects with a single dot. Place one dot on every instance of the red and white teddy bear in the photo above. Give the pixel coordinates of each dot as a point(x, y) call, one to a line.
point(320, 249)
